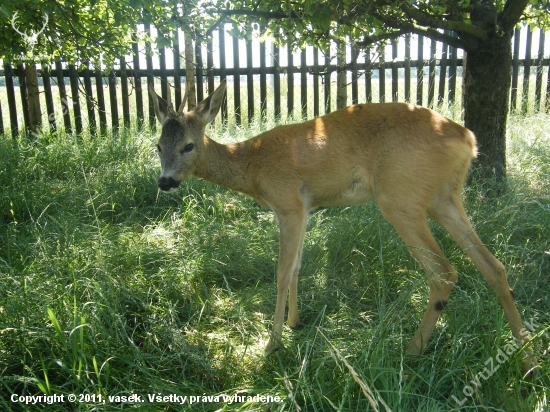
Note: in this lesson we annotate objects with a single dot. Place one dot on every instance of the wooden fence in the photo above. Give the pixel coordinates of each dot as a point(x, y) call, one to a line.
point(286, 81)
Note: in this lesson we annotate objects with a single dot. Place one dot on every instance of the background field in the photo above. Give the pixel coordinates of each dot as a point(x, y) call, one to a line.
point(109, 287)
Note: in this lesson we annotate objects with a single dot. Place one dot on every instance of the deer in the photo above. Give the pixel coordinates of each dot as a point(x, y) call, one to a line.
point(411, 160)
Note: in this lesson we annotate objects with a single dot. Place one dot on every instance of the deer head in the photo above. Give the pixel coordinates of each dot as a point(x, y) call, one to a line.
point(181, 143)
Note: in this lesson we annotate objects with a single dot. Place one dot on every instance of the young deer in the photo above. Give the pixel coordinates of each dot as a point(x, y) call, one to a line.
point(410, 159)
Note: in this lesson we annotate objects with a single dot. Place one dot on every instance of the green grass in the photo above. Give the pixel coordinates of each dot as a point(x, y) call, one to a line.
point(108, 287)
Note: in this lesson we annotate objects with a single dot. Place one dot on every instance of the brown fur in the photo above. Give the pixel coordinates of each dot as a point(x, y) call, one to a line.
point(411, 160)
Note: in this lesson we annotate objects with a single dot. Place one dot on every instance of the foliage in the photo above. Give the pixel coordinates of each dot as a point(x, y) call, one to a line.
point(82, 30)
point(110, 288)
point(366, 22)
point(102, 30)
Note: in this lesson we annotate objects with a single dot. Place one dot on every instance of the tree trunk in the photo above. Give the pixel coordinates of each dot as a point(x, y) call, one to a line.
point(487, 88)
point(190, 73)
point(35, 114)
point(342, 87)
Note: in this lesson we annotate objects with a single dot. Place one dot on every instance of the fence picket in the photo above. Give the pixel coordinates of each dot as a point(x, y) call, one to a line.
point(223, 75)
point(315, 82)
point(394, 72)
point(137, 85)
point(74, 82)
point(89, 100)
point(249, 80)
point(113, 99)
point(124, 93)
point(236, 81)
point(23, 94)
point(526, 71)
point(8, 73)
point(538, 80)
point(101, 102)
point(263, 80)
point(63, 96)
point(277, 80)
point(420, 71)
point(50, 108)
point(408, 68)
point(290, 81)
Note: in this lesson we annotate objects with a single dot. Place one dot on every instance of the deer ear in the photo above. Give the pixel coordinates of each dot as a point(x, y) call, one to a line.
point(209, 107)
point(160, 105)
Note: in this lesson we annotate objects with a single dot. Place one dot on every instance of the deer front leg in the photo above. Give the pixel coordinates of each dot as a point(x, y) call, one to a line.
point(292, 229)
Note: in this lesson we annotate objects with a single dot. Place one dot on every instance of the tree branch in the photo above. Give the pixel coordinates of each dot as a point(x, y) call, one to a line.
point(368, 40)
point(425, 19)
point(408, 27)
point(513, 10)
point(260, 13)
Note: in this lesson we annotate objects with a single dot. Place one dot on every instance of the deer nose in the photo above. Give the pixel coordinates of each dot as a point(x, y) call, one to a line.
point(166, 184)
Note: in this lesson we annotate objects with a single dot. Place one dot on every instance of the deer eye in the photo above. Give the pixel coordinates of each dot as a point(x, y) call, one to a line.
point(188, 148)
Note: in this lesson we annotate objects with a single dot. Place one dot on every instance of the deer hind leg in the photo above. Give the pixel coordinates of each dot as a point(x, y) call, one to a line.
point(413, 228)
point(292, 231)
point(449, 212)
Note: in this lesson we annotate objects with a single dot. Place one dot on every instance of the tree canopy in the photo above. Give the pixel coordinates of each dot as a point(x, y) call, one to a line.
point(366, 22)
point(81, 30)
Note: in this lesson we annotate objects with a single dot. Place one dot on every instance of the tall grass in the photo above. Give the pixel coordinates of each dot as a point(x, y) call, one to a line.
point(108, 287)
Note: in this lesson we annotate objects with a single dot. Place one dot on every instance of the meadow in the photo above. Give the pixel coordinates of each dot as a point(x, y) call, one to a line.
point(128, 298)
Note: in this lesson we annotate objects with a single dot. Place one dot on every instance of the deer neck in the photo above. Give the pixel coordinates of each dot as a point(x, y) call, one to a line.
point(226, 165)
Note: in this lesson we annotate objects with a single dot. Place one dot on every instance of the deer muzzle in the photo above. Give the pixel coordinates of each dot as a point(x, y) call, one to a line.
point(167, 184)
